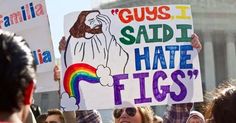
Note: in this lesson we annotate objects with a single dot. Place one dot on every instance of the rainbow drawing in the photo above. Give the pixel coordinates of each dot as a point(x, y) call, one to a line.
point(74, 74)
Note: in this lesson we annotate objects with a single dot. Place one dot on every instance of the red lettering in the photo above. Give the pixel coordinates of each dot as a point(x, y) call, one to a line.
point(136, 14)
point(163, 12)
point(39, 9)
point(16, 17)
point(126, 19)
point(1, 22)
point(151, 12)
point(27, 11)
point(40, 56)
point(142, 13)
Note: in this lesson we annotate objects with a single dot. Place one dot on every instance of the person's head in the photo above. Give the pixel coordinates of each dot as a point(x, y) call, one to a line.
point(222, 108)
point(17, 73)
point(157, 119)
point(41, 118)
point(134, 115)
point(55, 116)
point(195, 117)
point(86, 23)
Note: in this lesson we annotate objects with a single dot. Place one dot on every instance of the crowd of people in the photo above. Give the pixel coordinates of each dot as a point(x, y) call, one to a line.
point(17, 84)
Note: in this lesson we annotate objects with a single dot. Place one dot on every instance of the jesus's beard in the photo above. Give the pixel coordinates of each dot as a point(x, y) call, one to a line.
point(96, 30)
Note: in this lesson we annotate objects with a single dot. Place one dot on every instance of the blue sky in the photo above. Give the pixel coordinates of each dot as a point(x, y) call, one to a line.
point(56, 10)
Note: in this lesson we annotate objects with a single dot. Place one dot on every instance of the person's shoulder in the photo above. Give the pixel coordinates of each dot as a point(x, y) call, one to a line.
point(88, 116)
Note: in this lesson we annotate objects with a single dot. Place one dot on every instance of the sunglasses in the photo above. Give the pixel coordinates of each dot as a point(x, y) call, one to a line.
point(130, 111)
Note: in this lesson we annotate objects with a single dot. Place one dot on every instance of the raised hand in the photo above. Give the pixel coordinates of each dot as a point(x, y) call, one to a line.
point(62, 44)
point(106, 23)
point(56, 73)
point(196, 43)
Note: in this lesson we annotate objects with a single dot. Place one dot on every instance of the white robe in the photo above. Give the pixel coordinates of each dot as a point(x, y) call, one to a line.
point(97, 51)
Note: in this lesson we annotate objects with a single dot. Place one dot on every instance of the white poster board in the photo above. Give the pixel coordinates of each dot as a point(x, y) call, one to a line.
point(28, 18)
point(130, 56)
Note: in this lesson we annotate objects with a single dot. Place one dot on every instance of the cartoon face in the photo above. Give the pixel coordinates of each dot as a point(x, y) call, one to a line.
point(91, 20)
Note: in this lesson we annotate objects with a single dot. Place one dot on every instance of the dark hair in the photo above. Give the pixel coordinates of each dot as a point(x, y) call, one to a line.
point(79, 28)
point(17, 70)
point(57, 112)
point(222, 108)
point(41, 118)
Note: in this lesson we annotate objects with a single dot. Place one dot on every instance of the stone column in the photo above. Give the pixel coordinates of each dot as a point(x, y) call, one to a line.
point(209, 69)
point(231, 55)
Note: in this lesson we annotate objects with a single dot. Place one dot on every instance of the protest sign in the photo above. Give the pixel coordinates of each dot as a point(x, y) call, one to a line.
point(130, 56)
point(29, 19)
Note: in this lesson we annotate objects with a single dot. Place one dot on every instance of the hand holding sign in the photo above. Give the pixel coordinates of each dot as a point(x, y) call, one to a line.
point(196, 43)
